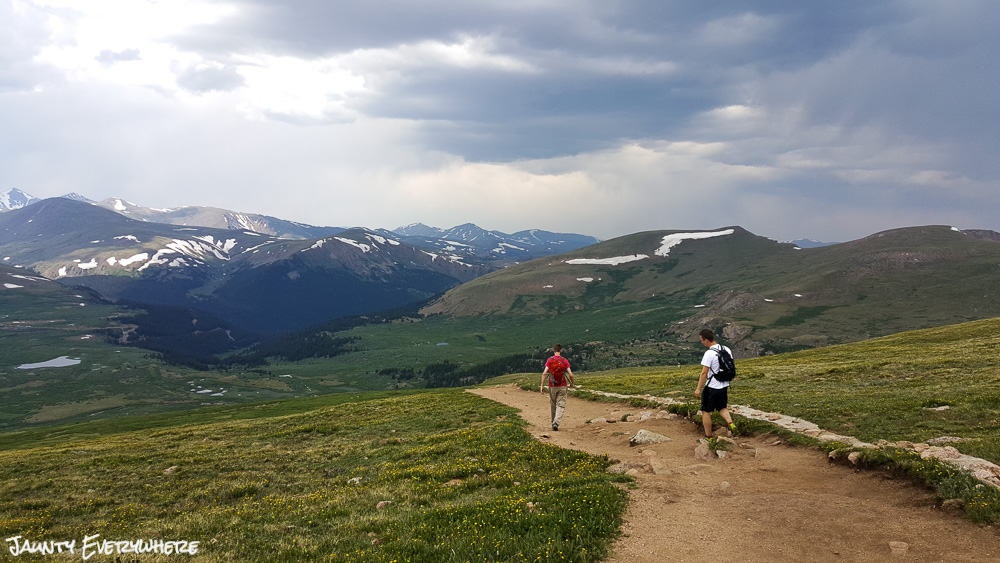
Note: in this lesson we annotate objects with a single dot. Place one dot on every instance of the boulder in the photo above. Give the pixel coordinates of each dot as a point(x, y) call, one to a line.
point(947, 452)
point(645, 415)
point(854, 457)
point(645, 437)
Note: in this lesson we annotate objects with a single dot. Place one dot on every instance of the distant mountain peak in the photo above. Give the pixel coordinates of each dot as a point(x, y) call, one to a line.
point(15, 199)
point(77, 197)
point(418, 230)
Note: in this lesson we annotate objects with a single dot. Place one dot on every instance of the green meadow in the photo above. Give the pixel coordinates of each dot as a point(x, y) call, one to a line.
point(428, 476)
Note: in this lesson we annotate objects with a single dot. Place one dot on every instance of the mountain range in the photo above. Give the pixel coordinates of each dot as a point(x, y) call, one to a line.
point(260, 282)
point(762, 295)
point(489, 248)
point(255, 281)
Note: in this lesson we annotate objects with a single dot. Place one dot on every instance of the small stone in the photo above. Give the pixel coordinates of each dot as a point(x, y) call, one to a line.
point(702, 452)
point(899, 547)
point(453, 483)
point(618, 468)
point(955, 504)
point(834, 454)
point(354, 481)
point(721, 454)
point(645, 415)
point(776, 443)
point(853, 457)
point(383, 504)
point(517, 483)
point(724, 486)
point(598, 420)
point(376, 541)
point(644, 437)
point(937, 409)
point(170, 470)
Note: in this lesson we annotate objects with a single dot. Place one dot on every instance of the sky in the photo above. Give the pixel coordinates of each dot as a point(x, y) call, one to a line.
point(822, 120)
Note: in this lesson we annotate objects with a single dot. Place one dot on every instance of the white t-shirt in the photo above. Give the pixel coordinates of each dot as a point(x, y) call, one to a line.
point(711, 359)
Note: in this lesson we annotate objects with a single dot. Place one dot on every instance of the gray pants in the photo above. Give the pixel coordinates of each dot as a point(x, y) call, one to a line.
point(557, 402)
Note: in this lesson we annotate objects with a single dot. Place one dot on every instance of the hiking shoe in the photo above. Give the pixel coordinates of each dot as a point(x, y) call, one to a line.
point(555, 427)
point(732, 428)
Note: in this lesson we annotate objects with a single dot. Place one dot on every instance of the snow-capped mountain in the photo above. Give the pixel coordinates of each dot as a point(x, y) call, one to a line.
point(214, 217)
point(494, 247)
point(255, 281)
point(809, 243)
point(15, 199)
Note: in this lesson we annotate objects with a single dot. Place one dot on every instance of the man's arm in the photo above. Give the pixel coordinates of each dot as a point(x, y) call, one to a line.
point(569, 372)
point(701, 381)
point(541, 385)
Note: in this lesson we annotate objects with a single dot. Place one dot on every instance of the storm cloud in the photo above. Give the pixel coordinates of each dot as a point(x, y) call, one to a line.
point(821, 120)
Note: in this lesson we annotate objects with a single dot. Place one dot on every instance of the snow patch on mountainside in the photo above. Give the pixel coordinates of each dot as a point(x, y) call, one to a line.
point(673, 240)
point(141, 257)
point(362, 246)
point(613, 261)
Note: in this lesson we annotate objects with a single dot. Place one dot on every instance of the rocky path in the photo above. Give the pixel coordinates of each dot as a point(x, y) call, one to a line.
point(764, 502)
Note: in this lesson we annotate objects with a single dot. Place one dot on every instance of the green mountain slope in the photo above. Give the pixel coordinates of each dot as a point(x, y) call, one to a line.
point(765, 296)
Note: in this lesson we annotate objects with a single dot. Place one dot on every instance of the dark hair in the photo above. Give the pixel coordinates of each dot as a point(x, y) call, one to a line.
point(557, 348)
point(707, 334)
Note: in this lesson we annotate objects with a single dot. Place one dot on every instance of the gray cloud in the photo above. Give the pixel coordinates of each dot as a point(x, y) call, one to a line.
point(843, 118)
point(210, 79)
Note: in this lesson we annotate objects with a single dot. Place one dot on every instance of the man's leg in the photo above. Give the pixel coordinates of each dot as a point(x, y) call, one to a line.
point(552, 404)
point(706, 421)
point(726, 416)
point(560, 401)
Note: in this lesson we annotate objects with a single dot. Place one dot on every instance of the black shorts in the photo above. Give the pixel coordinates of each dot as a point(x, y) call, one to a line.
point(714, 399)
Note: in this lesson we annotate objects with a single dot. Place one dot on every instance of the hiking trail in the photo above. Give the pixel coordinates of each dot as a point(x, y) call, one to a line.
point(766, 501)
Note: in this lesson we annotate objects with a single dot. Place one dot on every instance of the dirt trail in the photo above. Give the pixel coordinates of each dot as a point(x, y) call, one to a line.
point(781, 504)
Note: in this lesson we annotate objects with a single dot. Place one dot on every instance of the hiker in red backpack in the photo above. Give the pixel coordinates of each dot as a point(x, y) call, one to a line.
point(557, 368)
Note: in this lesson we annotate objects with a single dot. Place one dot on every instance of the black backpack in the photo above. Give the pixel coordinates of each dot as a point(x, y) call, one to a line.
point(727, 367)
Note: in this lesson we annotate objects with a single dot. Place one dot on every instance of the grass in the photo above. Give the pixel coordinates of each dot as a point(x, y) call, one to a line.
point(464, 479)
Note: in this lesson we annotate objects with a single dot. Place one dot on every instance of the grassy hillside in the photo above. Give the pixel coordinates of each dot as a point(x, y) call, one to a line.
point(457, 476)
point(876, 389)
point(771, 296)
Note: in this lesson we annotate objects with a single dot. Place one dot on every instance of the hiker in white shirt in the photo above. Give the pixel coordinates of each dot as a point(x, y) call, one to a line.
point(714, 394)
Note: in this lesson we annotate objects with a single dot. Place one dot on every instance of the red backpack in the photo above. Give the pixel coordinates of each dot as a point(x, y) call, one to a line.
point(557, 369)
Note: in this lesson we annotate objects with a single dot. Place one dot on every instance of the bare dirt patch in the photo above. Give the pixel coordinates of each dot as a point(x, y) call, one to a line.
point(763, 502)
